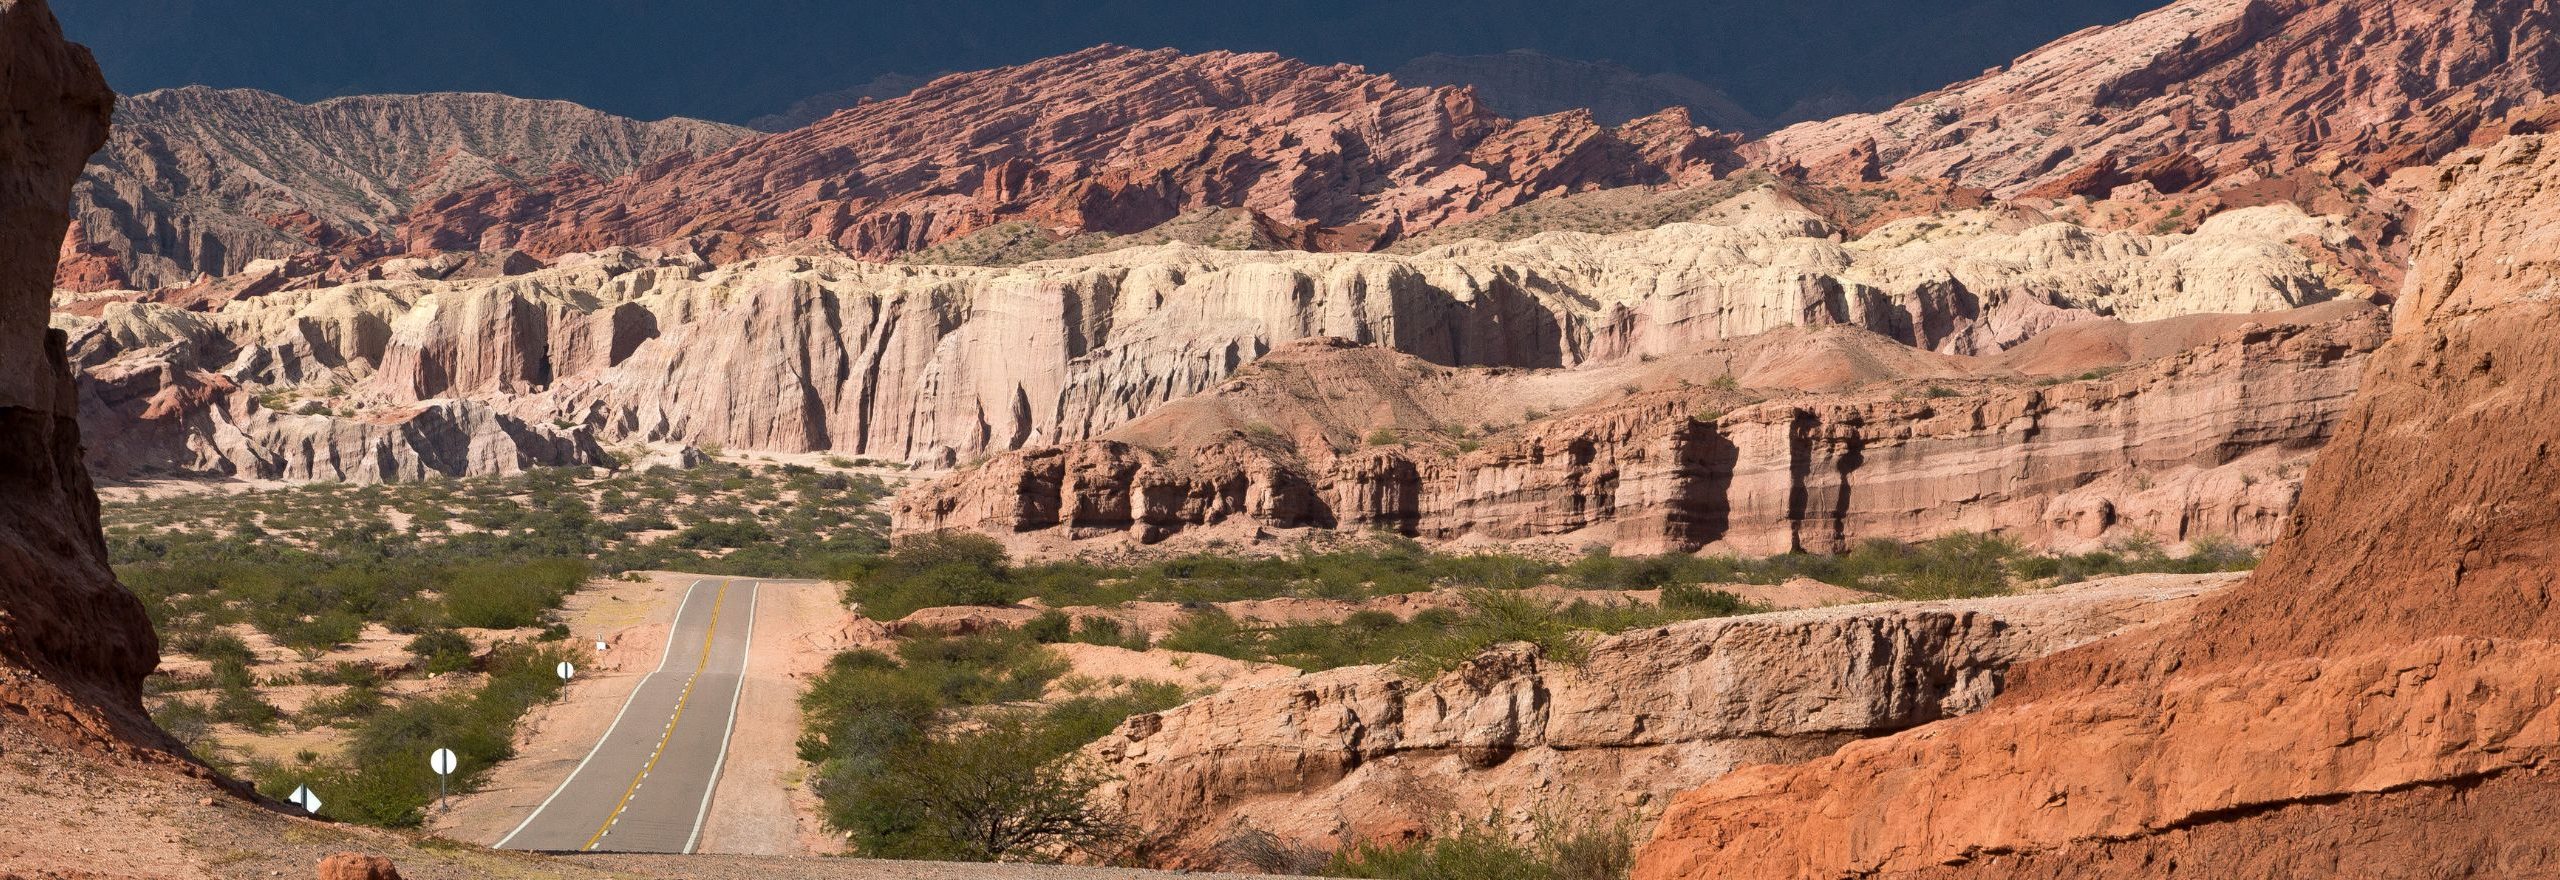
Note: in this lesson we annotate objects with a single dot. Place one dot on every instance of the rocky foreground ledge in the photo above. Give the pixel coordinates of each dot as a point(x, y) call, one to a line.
point(1368, 753)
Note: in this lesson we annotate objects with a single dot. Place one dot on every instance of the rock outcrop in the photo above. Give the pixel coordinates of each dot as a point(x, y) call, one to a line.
point(940, 364)
point(74, 645)
point(2378, 700)
point(1367, 754)
point(1109, 139)
point(2233, 89)
point(2205, 442)
point(197, 181)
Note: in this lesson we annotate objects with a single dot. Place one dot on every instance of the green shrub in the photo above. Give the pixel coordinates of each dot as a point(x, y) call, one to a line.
point(239, 704)
point(441, 650)
point(891, 770)
point(925, 571)
point(385, 779)
point(1000, 790)
point(1051, 627)
point(509, 596)
point(1699, 601)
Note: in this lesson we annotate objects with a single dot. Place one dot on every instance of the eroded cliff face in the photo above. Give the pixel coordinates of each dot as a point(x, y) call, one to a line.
point(2206, 442)
point(1366, 754)
point(2207, 91)
point(197, 181)
point(74, 645)
point(939, 364)
point(2376, 701)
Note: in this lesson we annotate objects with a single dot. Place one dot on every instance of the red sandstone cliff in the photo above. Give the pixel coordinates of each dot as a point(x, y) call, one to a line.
point(1109, 139)
point(2377, 701)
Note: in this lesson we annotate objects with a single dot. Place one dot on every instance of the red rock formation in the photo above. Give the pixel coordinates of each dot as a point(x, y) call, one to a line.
point(86, 266)
point(2232, 83)
point(2203, 442)
point(1108, 139)
point(74, 645)
point(2377, 701)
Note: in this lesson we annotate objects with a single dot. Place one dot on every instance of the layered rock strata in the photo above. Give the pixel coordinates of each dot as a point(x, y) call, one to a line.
point(2207, 442)
point(2377, 701)
point(939, 365)
point(1367, 754)
point(1109, 139)
point(2214, 89)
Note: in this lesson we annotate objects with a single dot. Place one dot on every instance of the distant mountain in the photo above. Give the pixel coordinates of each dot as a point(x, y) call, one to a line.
point(1110, 139)
point(203, 181)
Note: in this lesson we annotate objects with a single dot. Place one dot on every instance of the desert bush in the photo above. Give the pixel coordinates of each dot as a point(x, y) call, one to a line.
point(509, 596)
point(895, 770)
point(1556, 849)
point(925, 571)
point(384, 779)
point(441, 650)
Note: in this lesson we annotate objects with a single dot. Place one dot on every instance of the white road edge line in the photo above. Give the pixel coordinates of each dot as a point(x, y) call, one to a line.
point(663, 654)
point(755, 597)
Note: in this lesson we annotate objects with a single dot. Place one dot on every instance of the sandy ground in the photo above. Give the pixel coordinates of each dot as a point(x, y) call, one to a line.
point(631, 618)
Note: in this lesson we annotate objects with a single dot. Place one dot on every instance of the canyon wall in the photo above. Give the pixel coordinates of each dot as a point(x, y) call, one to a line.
point(1367, 754)
point(74, 645)
point(2376, 701)
point(939, 364)
point(2206, 442)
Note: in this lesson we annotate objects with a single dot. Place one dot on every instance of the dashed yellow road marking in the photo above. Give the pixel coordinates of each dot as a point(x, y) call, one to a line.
point(708, 633)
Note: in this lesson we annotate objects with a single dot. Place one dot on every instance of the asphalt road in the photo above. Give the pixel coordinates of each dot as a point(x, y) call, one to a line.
point(647, 785)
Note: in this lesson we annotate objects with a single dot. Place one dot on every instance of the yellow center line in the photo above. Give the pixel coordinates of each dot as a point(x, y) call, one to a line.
point(698, 665)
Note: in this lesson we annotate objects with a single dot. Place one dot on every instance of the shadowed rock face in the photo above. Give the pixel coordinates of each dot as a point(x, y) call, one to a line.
point(199, 181)
point(2224, 85)
point(74, 645)
point(2378, 700)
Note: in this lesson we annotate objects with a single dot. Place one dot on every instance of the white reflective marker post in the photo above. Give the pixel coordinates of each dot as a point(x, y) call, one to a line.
point(443, 763)
point(303, 797)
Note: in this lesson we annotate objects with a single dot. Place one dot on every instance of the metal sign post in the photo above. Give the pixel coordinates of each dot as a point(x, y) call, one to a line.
point(443, 763)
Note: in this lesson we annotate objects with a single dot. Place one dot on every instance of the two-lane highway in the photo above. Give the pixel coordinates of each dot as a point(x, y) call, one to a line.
point(647, 785)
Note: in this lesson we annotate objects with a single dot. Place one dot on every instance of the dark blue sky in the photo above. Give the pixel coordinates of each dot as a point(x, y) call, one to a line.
point(736, 59)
